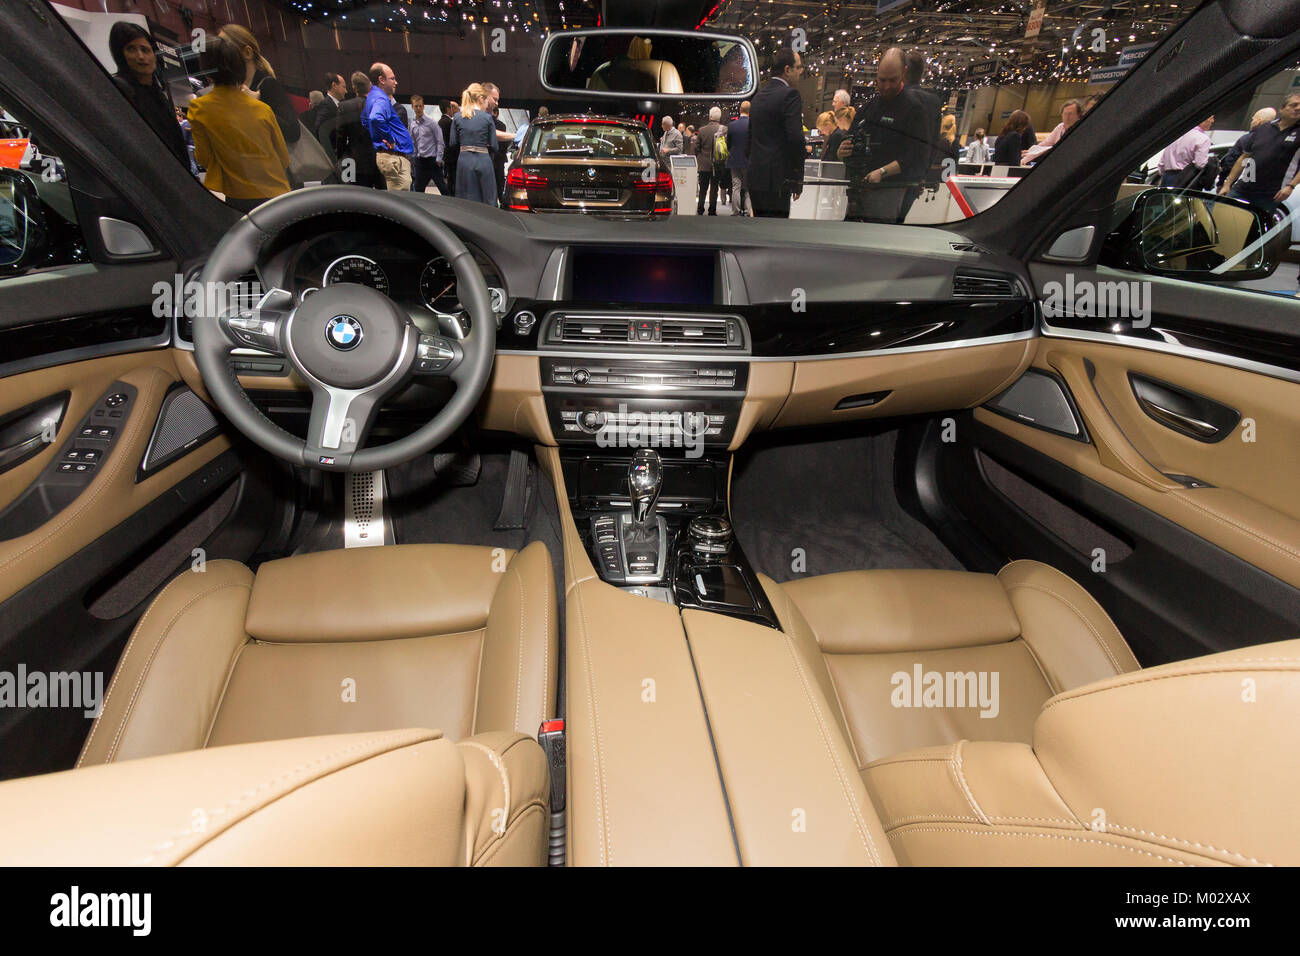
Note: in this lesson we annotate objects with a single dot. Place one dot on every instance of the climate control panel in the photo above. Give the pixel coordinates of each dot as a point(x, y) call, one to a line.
point(615, 402)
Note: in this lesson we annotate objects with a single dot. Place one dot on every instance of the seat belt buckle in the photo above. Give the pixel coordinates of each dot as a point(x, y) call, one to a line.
point(551, 736)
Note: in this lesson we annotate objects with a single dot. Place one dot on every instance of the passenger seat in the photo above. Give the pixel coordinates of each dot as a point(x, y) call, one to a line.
point(1084, 758)
point(878, 638)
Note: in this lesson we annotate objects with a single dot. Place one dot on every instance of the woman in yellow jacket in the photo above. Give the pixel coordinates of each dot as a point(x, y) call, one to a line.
point(236, 136)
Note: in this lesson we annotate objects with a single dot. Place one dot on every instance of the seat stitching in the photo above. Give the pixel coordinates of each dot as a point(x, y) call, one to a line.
point(117, 671)
point(252, 792)
point(492, 851)
point(1080, 615)
point(930, 828)
point(519, 668)
point(497, 761)
point(221, 698)
point(959, 775)
point(1277, 546)
point(1133, 680)
point(1200, 846)
point(602, 812)
point(162, 636)
point(1052, 687)
point(854, 811)
point(790, 609)
point(911, 818)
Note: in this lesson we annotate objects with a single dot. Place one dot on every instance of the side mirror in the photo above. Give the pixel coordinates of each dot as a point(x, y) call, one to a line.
point(649, 65)
point(22, 223)
point(1187, 234)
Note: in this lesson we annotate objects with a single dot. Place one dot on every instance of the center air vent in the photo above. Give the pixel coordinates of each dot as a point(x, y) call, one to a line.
point(695, 332)
point(970, 285)
point(593, 329)
point(711, 333)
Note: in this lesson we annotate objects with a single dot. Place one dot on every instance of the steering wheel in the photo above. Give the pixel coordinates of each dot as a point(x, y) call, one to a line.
point(353, 345)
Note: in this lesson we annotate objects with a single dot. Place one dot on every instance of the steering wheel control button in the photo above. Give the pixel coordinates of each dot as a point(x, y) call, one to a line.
point(344, 332)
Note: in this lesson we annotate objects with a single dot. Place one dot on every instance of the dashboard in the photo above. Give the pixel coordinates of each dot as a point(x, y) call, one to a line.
point(406, 271)
point(714, 325)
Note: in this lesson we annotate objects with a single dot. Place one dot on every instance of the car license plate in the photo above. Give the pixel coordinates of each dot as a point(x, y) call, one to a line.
point(591, 193)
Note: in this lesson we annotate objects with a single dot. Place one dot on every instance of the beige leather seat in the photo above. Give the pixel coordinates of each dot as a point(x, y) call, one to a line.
point(878, 639)
point(1084, 759)
point(445, 637)
point(1191, 763)
point(388, 798)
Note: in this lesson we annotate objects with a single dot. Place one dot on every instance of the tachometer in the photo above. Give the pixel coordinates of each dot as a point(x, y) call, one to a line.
point(438, 290)
point(357, 269)
point(438, 286)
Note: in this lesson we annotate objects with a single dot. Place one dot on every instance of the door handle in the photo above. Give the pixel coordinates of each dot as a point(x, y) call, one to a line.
point(1187, 421)
point(1184, 411)
point(25, 433)
point(20, 450)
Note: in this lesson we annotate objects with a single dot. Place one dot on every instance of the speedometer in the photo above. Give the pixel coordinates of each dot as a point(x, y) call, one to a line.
point(356, 269)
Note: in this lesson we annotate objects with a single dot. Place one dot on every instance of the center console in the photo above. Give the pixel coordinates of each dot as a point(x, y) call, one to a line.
point(657, 526)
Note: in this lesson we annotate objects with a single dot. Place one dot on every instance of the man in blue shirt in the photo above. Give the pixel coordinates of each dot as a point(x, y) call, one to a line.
point(388, 133)
point(426, 135)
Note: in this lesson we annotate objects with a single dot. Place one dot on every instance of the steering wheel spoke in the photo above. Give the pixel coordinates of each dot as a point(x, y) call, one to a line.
point(340, 421)
point(262, 326)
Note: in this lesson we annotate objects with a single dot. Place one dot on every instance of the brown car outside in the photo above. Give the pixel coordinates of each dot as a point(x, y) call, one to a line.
point(596, 165)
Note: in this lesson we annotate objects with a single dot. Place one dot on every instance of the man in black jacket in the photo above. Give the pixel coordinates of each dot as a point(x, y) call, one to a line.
point(327, 110)
point(353, 140)
point(775, 147)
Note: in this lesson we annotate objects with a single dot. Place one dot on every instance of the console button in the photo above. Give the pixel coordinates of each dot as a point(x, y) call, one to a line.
point(581, 376)
point(116, 399)
point(592, 421)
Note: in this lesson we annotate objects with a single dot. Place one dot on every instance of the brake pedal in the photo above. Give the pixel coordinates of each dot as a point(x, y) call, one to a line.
point(457, 469)
point(364, 523)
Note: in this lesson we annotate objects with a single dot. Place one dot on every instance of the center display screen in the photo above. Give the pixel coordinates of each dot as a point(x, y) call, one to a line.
point(643, 276)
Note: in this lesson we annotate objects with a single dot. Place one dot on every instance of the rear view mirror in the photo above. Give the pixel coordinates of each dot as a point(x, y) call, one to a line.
point(22, 231)
point(1195, 235)
point(649, 64)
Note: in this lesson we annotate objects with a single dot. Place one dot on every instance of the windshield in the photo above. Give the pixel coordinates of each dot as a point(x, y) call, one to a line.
point(605, 140)
point(902, 112)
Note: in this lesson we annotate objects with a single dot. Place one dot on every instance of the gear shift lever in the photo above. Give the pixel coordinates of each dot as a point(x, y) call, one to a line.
point(645, 477)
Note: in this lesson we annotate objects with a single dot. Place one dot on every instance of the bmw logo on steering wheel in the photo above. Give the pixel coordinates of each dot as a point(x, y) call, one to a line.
point(343, 332)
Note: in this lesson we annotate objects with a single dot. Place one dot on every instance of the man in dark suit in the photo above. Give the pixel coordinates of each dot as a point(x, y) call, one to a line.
point(353, 140)
point(326, 124)
point(775, 147)
point(738, 161)
point(449, 152)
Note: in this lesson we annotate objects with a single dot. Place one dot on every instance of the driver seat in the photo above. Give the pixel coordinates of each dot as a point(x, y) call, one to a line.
point(444, 637)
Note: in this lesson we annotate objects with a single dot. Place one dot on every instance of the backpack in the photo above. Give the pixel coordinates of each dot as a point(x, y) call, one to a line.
point(720, 146)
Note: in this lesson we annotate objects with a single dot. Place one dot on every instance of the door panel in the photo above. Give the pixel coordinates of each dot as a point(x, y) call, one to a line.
point(1248, 503)
point(113, 493)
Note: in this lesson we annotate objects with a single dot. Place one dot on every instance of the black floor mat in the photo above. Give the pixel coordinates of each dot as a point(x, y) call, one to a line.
point(817, 507)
